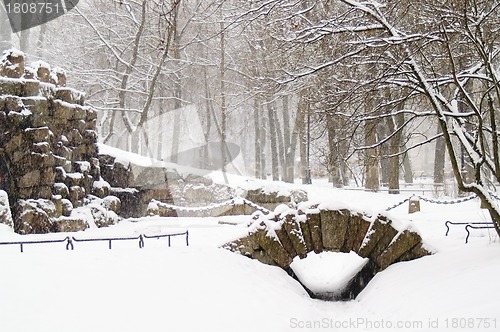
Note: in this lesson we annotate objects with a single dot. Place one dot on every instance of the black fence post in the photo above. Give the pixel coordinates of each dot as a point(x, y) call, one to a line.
point(69, 244)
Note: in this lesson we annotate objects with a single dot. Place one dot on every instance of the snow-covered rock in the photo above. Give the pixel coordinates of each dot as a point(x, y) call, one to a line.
point(5, 213)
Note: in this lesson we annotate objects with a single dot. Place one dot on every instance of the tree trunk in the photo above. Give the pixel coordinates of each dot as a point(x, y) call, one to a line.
point(302, 111)
point(264, 129)
point(494, 136)
point(176, 130)
point(174, 152)
point(122, 93)
point(439, 159)
point(385, 163)
point(273, 140)
point(223, 96)
point(40, 47)
point(135, 141)
point(393, 149)
point(159, 136)
point(281, 148)
point(209, 110)
point(333, 153)
point(24, 41)
point(303, 155)
point(258, 153)
point(292, 148)
point(288, 164)
point(408, 172)
point(371, 153)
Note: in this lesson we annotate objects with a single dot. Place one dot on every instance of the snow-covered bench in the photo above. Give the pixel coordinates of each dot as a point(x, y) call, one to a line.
point(468, 226)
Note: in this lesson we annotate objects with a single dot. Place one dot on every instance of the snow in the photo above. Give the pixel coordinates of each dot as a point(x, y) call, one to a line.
point(328, 272)
point(142, 291)
point(13, 52)
point(130, 158)
point(204, 288)
point(71, 106)
point(84, 166)
point(458, 284)
point(55, 71)
point(101, 184)
point(75, 176)
point(40, 64)
point(5, 213)
point(282, 210)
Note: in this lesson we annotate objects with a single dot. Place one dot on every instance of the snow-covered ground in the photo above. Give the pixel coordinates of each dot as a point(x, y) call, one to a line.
point(204, 288)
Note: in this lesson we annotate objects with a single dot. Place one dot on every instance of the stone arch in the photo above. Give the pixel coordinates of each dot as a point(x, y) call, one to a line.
point(278, 239)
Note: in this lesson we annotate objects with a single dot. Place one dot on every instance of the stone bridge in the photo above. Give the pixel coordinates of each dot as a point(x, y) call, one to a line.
point(277, 239)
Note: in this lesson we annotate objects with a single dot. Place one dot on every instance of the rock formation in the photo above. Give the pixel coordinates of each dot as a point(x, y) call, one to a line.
point(48, 147)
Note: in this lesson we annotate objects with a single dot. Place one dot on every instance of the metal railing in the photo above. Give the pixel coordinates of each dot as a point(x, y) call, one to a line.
point(22, 243)
point(110, 240)
point(169, 236)
point(437, 201)
point(70, 240)
point(406, 188)
point(468, 226)
point(454, 223)
point(231, 202)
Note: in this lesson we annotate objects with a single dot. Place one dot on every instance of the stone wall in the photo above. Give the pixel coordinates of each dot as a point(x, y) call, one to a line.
point(270, 199)
point(137, 185)
point(279, 238)
point(48, 145)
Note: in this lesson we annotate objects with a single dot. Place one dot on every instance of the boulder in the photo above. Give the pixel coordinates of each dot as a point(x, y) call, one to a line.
point(130, 202)
point(112, 203)
point(31, 219)
point(31, 179)
point(70, 224)
point(76, 195)
point(12, 64)
point(66, 207)
point(103, 217)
